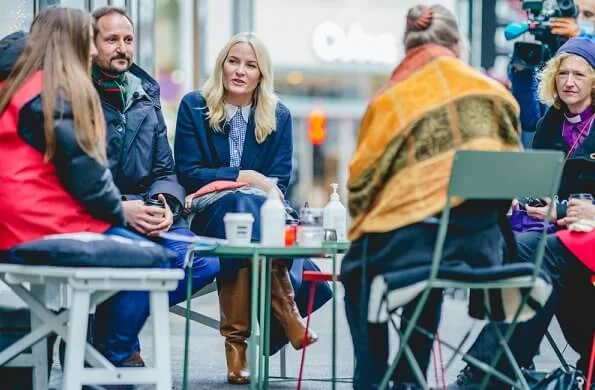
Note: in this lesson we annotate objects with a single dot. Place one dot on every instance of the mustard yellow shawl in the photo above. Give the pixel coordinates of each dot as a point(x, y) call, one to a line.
point(434, 105)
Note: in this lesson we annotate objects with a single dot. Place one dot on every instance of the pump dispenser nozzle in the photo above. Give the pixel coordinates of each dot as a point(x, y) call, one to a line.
point(335, 194)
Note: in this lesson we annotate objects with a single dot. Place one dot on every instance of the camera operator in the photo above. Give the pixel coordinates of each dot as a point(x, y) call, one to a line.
point(523, 79)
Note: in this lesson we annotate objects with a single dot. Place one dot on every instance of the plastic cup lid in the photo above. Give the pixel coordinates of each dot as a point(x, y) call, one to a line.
point(238, 217)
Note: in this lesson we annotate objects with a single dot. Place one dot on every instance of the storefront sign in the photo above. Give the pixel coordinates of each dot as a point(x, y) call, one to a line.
point(331, 43)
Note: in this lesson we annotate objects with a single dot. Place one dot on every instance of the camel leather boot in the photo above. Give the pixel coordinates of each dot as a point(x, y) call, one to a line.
point(284, 308)
point(234, 306)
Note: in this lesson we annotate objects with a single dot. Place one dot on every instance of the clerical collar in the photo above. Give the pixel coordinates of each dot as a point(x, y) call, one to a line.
point(578, 118)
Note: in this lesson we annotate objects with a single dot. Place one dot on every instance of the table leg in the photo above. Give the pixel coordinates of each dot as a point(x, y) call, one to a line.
point(267, 321)
point(189, 272)
point(263, 325)
point(254, 323)
point(334, 333)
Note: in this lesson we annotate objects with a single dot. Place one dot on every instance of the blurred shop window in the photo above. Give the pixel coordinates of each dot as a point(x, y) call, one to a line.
point(15, 17)
point(143, 15)
point(324, 84)
point(74, 3)
point(46, 3)
point(168, 58)
point(95, 4)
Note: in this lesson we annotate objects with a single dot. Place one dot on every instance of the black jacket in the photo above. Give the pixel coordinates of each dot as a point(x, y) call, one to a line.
point(140, 157)
point(89, 182)
point(579, 171)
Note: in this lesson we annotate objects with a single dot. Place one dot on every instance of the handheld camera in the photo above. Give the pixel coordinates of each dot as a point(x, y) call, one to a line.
point(535, 54)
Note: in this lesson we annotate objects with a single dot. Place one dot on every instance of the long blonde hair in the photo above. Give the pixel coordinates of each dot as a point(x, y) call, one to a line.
point(548, 92)
point(264, 99)
point(59, 45)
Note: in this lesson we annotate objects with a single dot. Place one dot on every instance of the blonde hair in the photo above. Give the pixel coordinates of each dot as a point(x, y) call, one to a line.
point(547, 89)
point(264, 98)
point(434, 24)
point(59, 44)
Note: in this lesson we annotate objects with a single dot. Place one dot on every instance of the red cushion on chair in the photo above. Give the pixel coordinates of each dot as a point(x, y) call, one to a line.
point(315, 276)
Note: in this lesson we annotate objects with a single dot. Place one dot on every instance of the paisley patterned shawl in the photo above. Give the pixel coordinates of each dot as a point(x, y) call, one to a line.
point(433, 105)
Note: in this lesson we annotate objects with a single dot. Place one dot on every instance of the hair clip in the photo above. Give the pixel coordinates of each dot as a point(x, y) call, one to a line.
point(423, 22)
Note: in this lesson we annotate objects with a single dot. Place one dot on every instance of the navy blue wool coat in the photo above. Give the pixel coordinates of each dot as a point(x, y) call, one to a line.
point(202, 156)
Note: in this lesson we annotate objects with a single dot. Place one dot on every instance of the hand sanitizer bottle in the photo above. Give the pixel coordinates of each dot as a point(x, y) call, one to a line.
point(335, 215)
point(272, 219)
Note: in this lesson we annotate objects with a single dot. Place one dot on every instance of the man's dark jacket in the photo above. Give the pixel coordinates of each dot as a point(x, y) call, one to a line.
point(139, 154)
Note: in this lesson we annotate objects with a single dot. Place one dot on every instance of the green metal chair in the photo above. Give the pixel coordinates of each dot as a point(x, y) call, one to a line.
point(481, 176)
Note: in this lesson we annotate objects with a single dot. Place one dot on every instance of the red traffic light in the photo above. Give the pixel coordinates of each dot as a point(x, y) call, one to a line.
point(317, 127)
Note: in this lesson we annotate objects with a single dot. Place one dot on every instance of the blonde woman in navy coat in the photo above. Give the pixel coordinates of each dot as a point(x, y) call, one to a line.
point(236, 129)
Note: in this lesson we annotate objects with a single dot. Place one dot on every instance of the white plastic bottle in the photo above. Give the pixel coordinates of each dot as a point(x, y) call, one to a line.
point(335, 215)
point(272, 220)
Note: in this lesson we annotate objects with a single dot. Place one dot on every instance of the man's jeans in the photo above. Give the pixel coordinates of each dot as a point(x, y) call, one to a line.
point(120, 319)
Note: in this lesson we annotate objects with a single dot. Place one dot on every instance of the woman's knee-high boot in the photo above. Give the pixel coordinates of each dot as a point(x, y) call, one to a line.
point(284, 308)
point(234, 305)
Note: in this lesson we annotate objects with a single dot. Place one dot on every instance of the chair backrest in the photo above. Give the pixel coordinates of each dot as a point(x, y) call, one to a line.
point(499, 176)
point(505, 175)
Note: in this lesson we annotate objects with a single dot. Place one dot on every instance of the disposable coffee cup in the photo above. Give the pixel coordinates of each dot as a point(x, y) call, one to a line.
point(238, 228)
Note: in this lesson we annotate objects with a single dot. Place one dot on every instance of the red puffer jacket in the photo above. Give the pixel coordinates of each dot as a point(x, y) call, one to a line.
point(70, 193)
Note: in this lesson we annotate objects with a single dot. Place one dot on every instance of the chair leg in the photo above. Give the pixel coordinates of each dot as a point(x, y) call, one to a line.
point(40, 349)
point(557, 351)
point(408, 354)
point(404, 338)
point(76, 341)
point(419, 374)
point(161, 336)
point(283, 362)
point(591, 364)
point(503, 341)
point(310, 308)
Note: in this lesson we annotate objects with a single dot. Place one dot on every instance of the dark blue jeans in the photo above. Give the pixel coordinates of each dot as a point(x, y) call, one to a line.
point(119, 320)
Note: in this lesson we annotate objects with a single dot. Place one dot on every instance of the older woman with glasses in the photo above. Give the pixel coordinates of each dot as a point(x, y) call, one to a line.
point(566, 84)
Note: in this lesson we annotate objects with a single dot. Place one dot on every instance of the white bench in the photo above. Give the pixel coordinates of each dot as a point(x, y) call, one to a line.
point(87, 287)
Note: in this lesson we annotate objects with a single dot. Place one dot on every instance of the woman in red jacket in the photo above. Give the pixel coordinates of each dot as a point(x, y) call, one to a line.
point(52, 134)
point(53, 171)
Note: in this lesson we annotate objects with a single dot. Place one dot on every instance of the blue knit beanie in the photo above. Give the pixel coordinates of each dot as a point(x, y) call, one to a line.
point(582, 47)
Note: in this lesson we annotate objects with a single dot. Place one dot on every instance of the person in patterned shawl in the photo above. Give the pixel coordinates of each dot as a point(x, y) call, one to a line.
point(433, 105)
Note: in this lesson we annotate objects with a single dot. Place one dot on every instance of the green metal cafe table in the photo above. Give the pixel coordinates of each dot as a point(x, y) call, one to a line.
point(261, 294)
